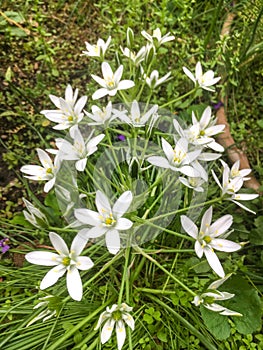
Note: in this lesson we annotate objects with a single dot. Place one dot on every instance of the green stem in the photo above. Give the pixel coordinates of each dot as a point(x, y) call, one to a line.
point(215, 200)
point(178, 98)
point(125, 278)
point(165, 271)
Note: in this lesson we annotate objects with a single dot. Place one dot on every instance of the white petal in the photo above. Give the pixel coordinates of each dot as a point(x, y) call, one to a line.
point(59, 244)
point(113, 241)
point(159, 161)
point(100, 93)
point(81, 164)
point(96, 231)
point(189, 171)
point(107, 331)
point(102, 203)
point(74, 283)
point(87, 216)
point(121, 333)
point(206, 219)
point(42, 258)
point(125, 84)
point(189, 74)
point(225, 245)
point(52, 276)
point(168, 150)
point(243, 206)
point(199, 249)
point(129, 320)
point(123, 224)
point(77, 245)
point(84, 263)
point(221, 225)
point(49, 185)
point(214, 262)
point(189, 227)
point(122, 204)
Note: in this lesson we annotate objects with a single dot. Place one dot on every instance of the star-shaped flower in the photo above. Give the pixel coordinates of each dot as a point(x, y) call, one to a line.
point(116, 316)
point(111, 82)
point(64, 261)
point(207, 238)
point(108, 220)
point(203, 80)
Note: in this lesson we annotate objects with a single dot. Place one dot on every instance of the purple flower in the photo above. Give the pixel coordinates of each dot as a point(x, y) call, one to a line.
point(121, 138)
point(4, 246)
point(217, 105)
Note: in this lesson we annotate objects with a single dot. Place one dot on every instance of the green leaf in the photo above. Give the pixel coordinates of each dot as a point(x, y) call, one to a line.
point(247, 302)
point(260, 123)
point(8, 74)
point(217, 324)
point(162, 336)
point(148, 318)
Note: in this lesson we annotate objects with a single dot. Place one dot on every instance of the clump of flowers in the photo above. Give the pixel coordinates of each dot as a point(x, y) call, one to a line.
point(124, 174)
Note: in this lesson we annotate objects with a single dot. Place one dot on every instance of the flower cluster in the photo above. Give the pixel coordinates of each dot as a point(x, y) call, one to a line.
point(118, 204)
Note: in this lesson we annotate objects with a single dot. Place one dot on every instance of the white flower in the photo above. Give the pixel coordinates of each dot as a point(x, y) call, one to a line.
point(203, 80)
point(207, 238)
point(157, 37)
point(235, 172)
point(101, 116)
point(98, 50)
point(108, 220)
point(49, 312)
point(177, 159)
point(193, 182)
point(80, 149)
point(34, 215)
point(69, 110)
point(115, 316)
point(66, 261)
point(153, 81)
point(200, 132)
point(46, 173)
point(135, 117)
point(135, 58)
point(208, 298)
point(232, 184)
point(111, 82)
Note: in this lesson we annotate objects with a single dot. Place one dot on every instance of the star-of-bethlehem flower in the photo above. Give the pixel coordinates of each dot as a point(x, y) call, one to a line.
point(193, 182)
point(135, 117)
point(232, 181)
point(98, 50)
point(116, 316)
point(108, 220)
point(80, 149)
point(153, 81)
point(212, 294)
point(69, 110)
point(177, 158)
point(47, 172)
point(111, 82)
point(203, 80)
point(64, 261)
point(200, 132)
point(136, 58)
point(34, 215)
point(207, 238)
point(101, 116)
point(157, 37)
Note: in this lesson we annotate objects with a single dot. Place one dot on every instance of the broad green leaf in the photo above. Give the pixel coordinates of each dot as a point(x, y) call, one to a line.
point(247, 302)
point(217, 324)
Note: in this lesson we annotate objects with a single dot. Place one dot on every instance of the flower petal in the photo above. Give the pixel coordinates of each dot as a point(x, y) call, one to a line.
point(52, 276)
point(59, 244)
point(107, 331)
point(189, 227)
point(224, 245)
point(123, 224)
point(206, 219)
point(214, 262)
point(87, 216)
point(42, 258)
point(122, 204)
point(84, 263)
point(121, 333)
point(74, 284)
point(113, 241)
point(221, 225)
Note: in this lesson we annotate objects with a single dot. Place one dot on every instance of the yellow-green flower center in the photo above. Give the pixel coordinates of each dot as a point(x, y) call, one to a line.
point(207, 239)
point(109, 221)
point(116, 315)
point(49, 171)
point(70, 118)
point(202, 133)
point(66, 261)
